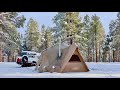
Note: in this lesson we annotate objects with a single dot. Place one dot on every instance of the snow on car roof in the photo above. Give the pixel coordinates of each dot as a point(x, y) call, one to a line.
point(29, 51)
point(32, 52)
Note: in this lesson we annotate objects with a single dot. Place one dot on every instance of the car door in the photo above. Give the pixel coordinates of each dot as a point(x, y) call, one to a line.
point(31, 58)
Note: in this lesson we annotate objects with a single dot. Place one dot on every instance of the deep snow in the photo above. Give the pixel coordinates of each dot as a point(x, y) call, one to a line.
point(97, 70)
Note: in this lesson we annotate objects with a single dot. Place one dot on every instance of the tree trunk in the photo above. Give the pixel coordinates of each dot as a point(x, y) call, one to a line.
point(109, 55)
point(96, 43)
point(119, 54)
point(99, 53)
point(96, 52)
point(113, 56)
point(93, 54)
point(8, 58)
point(0, 55)
point(88, 54)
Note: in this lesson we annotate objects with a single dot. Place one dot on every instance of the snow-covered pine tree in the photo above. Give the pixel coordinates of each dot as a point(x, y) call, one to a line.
point(32, 35)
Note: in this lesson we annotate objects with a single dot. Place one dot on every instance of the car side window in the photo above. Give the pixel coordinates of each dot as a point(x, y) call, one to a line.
point(31, 56)
point(31, 53)
point(23, 53)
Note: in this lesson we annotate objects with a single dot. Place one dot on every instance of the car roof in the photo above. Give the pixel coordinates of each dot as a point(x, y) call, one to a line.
point(29, 51)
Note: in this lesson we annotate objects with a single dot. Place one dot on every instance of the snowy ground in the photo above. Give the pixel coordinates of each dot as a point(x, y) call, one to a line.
point(97, 70)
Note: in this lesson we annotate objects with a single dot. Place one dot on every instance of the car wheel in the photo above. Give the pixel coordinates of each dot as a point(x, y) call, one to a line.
point(24, 61)
point(34, 63)
point(22, 65)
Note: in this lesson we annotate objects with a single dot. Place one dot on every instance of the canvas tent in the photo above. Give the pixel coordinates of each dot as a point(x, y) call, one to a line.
point(69, 61)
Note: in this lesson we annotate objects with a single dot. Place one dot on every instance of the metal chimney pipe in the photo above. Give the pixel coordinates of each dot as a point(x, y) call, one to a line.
point(59, 46)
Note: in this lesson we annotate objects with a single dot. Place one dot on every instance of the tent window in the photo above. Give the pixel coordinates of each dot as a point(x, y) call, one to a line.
point(74, 58)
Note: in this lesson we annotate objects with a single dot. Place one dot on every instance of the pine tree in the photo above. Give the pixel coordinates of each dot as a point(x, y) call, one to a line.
point(67, 23)
point(86, 32)
point(42, 47)
point(58, 30)
point(114, 28)
point(32, 35)
point(98, 34)
point(9, 22)
point(106, 48)
point(88, 35)
point(72, 23)
point(46, 37)
point(11, 40)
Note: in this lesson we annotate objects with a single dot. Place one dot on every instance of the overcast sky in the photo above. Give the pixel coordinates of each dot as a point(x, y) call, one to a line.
point(46, 18)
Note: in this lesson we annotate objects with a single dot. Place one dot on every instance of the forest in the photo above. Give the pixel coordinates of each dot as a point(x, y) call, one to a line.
point(88, 33)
